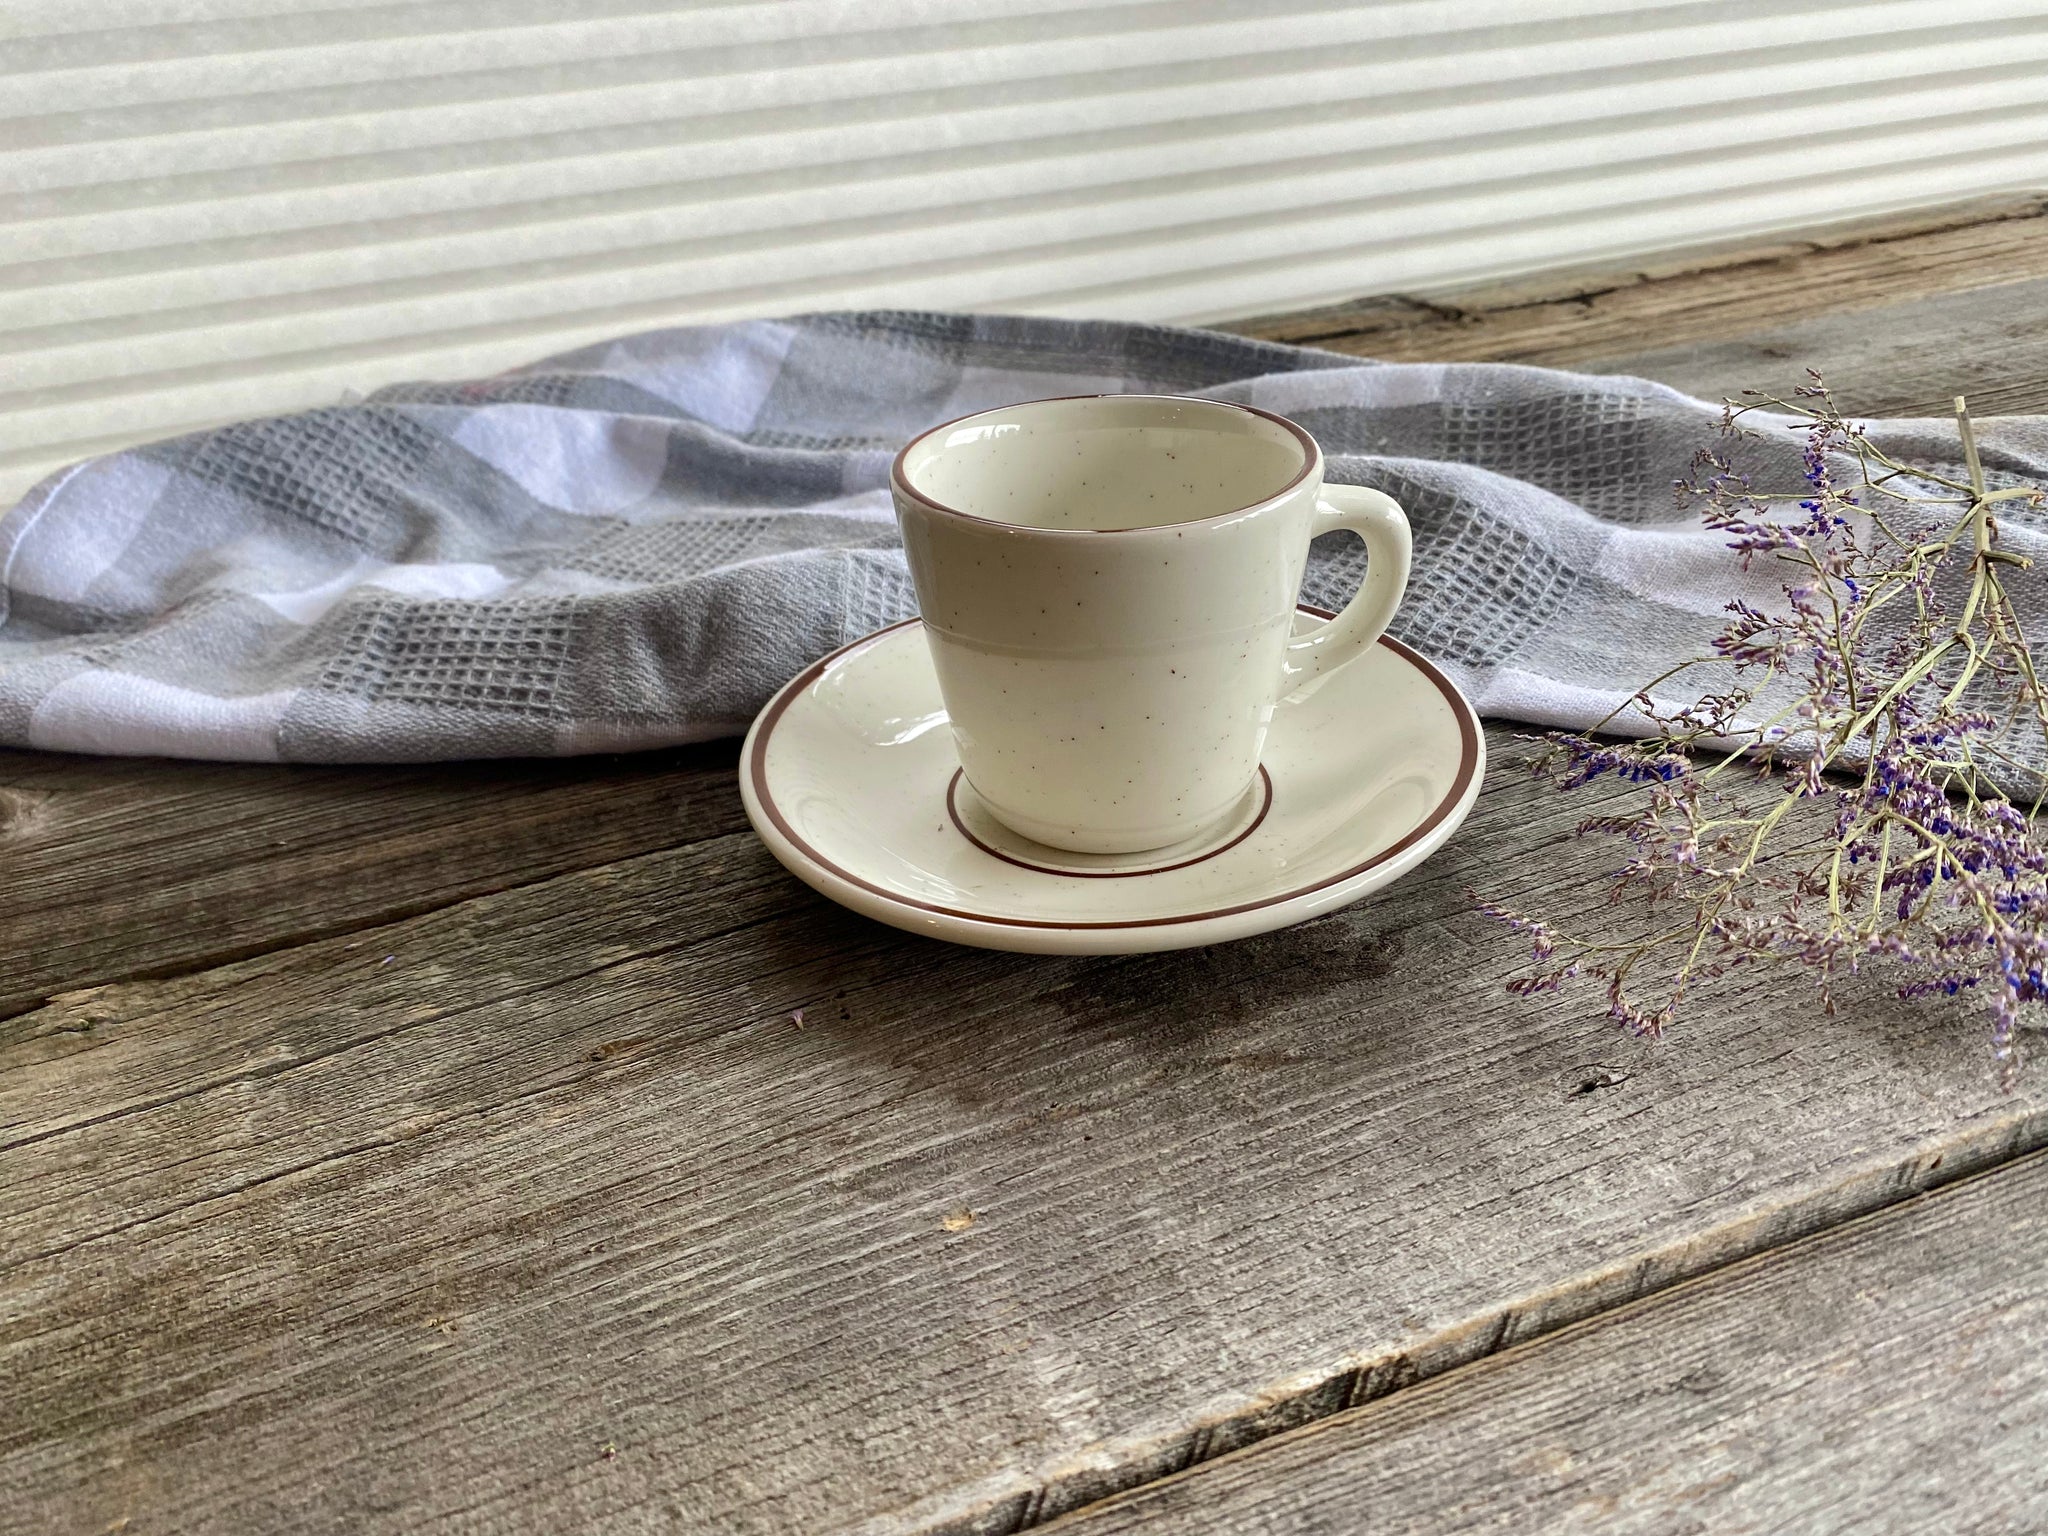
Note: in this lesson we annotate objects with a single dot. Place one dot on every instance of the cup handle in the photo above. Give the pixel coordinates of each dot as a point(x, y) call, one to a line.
point(1378, 519)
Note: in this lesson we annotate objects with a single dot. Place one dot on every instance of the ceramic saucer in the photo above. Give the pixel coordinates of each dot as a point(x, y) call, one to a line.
point(850, 777)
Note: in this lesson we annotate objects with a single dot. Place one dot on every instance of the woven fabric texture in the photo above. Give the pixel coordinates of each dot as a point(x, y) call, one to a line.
point(633, 544)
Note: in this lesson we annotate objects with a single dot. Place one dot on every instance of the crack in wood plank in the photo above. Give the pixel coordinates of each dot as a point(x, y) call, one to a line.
point(253, 1073)
point(130, 869)
point(1523, 1322)
point(1635, 1395)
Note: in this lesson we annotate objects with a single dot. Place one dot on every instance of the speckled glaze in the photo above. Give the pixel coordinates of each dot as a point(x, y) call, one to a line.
point(1108, 589)
point(851, 778)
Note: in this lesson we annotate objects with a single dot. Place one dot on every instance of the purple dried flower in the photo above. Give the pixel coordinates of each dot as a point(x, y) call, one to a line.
point(1907, 721)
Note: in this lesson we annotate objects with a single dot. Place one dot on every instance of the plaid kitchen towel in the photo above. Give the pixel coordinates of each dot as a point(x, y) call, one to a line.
point(633, 544)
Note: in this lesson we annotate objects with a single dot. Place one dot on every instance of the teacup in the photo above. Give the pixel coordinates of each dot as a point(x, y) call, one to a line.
point(1109, 587)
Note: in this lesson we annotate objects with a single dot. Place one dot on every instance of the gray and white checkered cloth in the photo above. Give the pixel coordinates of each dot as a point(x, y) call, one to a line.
point(633, 544)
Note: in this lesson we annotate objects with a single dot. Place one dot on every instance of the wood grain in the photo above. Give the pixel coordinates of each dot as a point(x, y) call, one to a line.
point(1909, 359)
point(112, 868)
point(1890, 1376)
point(1584, 317)
point(403, 1229)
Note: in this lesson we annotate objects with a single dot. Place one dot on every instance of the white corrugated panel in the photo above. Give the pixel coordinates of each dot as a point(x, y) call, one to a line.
point(212, 208)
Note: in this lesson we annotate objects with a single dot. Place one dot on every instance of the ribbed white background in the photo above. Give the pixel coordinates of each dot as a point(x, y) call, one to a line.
point(212, 208)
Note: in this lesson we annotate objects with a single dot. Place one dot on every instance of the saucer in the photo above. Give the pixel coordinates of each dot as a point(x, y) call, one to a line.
point(851, 779)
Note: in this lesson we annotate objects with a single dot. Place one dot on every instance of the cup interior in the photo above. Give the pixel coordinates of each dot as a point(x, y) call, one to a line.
point(1106, 463)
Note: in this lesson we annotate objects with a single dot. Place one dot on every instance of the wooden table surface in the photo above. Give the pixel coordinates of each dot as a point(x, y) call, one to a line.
point(433, 1148)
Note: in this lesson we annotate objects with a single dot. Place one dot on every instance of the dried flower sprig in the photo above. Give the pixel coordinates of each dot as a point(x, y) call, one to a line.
point(1858, 782)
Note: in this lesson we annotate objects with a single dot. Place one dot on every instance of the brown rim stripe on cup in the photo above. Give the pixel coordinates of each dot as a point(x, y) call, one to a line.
point(1312, 456)
point(960, 826)
point(757, 771)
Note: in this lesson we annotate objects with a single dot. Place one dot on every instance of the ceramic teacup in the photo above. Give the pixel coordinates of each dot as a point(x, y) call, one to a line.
point(1109, 587)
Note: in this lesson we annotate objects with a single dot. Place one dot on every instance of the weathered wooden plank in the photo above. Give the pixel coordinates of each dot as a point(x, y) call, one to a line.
point(407, 1228)
point(1580, 317)
point(112, 868)
point(1888, 1376)
point(1900, 314)
point(1908, 359)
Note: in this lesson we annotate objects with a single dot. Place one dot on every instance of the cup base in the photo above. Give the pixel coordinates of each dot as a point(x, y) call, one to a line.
point(997, 834)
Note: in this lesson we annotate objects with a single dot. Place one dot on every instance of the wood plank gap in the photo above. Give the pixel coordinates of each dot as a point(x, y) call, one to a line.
point(1119, 1511)
point(125, 869)
point(260, 1072)
point(1585, 1298)
point(298, 938)
point(339, 1154)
